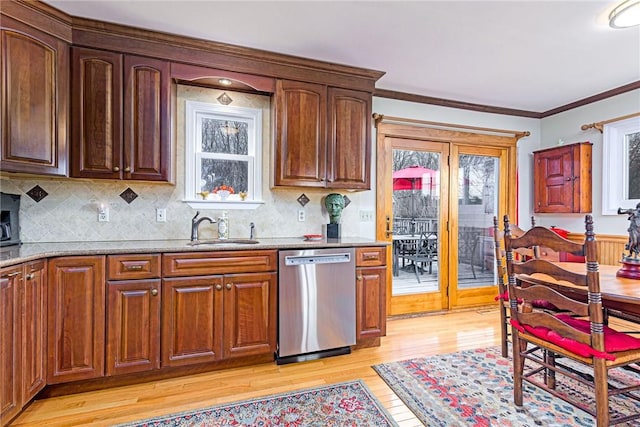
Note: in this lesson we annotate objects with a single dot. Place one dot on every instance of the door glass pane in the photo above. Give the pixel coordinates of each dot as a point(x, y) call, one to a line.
point(477, 205)
point(416, 210)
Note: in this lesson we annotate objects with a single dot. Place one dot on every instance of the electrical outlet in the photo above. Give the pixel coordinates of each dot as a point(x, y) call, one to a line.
point(103, 214)
point(301, 215)
point(161, 215)
point(366, 216)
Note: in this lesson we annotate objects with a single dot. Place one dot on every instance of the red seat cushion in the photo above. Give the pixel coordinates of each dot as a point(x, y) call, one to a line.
point(613, 340)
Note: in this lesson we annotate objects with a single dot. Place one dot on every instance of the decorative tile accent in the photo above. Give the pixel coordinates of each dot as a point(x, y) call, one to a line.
point(225, 99)
point(303, 199)
point(37, 193)
point(346, 201)
point(128, 195)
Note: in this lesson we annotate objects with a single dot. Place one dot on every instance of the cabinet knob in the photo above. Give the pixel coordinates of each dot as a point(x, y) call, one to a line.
point(116, 169)
point(127, 169)
point(30, 276)
point(358, 277)
point(229, 286)
point(218, 287)
point(154, 292)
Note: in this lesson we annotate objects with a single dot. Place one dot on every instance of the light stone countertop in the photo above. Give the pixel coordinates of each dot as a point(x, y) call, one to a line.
point(12, 255)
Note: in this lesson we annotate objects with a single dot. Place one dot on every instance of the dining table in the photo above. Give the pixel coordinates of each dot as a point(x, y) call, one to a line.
point(406, 242)
point(619, 294)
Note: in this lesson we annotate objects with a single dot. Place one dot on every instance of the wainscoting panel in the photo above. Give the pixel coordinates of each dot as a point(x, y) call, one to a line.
point(610, 247)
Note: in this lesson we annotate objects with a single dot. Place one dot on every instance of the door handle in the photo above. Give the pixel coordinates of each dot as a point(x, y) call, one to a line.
point(388, 231)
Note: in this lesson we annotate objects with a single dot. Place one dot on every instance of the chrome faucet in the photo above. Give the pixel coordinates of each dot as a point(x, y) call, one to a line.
point(195, 223)
point(252, 231)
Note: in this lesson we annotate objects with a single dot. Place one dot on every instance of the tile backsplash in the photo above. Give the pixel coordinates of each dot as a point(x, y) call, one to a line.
point(69, 211)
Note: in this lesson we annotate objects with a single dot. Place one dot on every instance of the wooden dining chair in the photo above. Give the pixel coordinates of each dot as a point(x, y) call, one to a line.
point(550, 349)
point(501, 274)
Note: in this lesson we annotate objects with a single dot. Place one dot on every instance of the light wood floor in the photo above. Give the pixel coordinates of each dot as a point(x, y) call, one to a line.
point(406, 338)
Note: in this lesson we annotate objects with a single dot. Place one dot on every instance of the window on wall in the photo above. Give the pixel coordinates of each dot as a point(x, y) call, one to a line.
point(223, 156)
point(621, 165)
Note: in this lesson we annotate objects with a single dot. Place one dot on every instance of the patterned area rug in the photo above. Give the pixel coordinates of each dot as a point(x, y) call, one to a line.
point(349, 404)
point(474, 388)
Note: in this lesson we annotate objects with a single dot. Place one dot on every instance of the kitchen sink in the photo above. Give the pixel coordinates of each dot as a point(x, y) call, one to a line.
point(223, 242)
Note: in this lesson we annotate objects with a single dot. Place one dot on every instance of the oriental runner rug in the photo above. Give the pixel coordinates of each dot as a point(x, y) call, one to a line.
point(474, 388)
point(348, 404)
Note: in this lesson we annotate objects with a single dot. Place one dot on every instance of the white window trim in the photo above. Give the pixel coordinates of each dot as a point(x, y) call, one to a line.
point(615, 173)
point(192, 169)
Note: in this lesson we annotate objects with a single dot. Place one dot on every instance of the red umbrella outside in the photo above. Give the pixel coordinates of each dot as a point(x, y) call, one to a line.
point(411, 178)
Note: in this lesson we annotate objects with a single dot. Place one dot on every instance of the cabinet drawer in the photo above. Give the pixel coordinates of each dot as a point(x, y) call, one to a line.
point(126, 267)
point(371, 256)
point(203, 263)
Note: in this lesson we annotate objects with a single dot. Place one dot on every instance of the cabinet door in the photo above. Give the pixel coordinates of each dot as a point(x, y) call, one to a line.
point(553, 174)
point(349, 149)
point(300, 146)
point(10, 372)
point(76, 327)
point(133, 326)
point(562, 179)
point(147, 139)
point(371, 302)
point(34, 85)
point(33, 301)
point(96, 111)
point(249, 314)
point(191, 320)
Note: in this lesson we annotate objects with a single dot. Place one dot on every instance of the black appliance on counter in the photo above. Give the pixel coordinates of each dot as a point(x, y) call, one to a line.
point(9, 219)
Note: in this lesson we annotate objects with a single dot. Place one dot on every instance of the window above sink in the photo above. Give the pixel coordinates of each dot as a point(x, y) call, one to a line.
point(223, 156)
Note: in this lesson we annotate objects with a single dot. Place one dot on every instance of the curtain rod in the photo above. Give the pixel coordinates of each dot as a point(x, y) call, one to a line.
point(599, 125)
point(380, 117)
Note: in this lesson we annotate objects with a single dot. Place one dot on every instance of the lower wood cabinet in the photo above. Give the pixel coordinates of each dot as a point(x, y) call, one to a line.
point(218, 317)
point(371, 287)
point(191, 317)
point(76, 304)
point(133, 326)
point(85, 317)
point(33, 297)
point(10, 366)
point(133, 313)
point(22, 336)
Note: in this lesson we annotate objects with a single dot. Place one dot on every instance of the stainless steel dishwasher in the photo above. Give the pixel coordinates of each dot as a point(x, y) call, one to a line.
point(317, 303)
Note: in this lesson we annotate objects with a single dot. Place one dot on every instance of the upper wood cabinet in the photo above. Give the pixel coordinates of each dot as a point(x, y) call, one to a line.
point(323, 136)
point(562, 179)
point(35, 89)
point(120, 126)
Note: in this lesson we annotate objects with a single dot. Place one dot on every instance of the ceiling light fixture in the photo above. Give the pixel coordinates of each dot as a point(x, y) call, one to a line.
point(626, 14)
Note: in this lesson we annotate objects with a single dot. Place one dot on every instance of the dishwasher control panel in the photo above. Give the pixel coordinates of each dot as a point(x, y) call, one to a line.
point(317, 259)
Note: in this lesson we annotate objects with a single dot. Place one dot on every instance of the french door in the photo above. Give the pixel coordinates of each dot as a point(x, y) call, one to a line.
point(436, 201)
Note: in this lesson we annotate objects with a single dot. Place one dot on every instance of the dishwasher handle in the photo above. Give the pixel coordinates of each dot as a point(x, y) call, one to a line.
point(293, 260)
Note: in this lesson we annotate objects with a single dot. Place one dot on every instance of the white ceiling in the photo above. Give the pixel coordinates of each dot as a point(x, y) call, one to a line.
point(528, 55)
